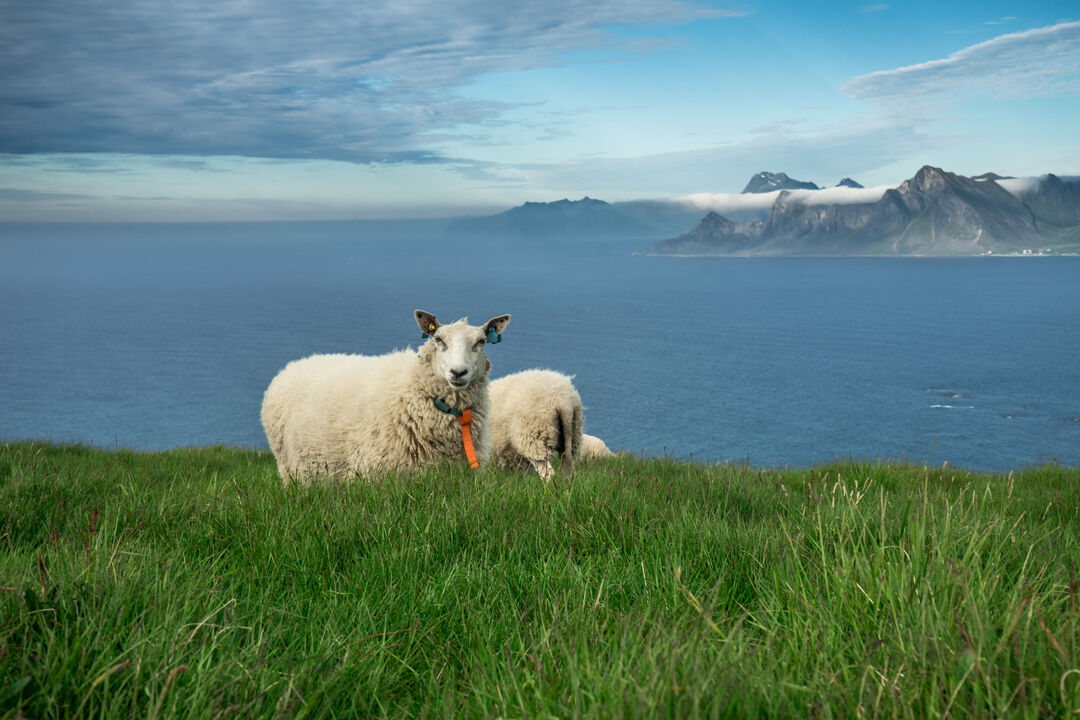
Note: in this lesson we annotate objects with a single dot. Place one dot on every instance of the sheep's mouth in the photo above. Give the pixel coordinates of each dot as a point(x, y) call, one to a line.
point(458, 383)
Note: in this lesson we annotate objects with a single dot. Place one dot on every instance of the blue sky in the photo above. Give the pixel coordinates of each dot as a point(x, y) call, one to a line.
point(232, 110)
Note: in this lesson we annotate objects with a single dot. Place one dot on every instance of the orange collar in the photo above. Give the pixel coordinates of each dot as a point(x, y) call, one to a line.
point(465, 418)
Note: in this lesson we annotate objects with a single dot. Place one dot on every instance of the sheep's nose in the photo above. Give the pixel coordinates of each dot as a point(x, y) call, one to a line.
point(458, 374)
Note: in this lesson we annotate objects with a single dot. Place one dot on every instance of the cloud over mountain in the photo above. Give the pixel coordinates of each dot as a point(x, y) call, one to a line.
point(732, 203)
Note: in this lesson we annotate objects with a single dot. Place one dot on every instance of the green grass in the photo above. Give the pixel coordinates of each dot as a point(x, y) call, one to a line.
point(192, 584)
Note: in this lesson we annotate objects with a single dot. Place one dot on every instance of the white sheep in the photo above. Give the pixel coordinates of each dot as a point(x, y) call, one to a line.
point(340, 416)
point(594, 447)
point(534, 414)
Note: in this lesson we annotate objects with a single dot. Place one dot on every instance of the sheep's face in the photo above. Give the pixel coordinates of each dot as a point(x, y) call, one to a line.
point(460, 357)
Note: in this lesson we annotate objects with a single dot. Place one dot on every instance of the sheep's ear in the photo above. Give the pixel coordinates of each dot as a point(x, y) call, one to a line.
point(494, 327)
point(427, 322)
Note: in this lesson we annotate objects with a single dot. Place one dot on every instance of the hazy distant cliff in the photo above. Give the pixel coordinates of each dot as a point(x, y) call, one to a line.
point(933, 213)
point(585, 218)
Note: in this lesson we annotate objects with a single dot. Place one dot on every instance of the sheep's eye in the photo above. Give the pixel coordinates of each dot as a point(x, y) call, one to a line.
point(479, 344)
point(440, 343)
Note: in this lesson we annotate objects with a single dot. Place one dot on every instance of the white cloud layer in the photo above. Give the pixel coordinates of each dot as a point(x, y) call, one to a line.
point(332, 79)
point(730, 202)
point(1019, 186)
point(1032, 62)
point(762, 202)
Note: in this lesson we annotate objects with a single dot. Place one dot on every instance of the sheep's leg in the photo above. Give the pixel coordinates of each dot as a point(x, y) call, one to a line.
point(567, 465)
point(284, 473)
point(544, 468)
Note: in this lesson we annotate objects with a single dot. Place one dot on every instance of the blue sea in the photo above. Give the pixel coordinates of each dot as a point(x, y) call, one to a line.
point(156, 336)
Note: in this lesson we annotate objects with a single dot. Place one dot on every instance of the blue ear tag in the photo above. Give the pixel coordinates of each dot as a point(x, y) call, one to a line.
point(493, 336)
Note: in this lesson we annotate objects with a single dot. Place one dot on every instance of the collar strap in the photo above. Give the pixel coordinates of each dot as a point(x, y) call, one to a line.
point(465, 419)
point(441, 404)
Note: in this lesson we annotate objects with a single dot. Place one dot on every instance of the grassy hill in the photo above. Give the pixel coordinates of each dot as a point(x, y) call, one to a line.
point(190, 583)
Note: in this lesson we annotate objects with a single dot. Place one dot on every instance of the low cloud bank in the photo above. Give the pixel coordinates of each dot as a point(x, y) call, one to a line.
point(763, 202)
point(730, 202)
point(1019, 186)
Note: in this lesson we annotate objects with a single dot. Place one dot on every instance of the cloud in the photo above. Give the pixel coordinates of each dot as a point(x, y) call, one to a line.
point(20, 195)
point(1033, 62)
point(822, 155)
point(331, 79)
point(1019, 186)
point(873, 8)
point(730, 202)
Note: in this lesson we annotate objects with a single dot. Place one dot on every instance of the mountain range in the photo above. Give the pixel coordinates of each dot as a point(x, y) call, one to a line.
point(588, 218)
point(933, 213)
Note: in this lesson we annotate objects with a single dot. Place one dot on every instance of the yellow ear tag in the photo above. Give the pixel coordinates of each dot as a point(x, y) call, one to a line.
point(431, 327)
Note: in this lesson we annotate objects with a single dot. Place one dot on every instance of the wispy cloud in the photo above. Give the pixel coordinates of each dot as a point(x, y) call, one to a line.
point(873, 8)
point(1019, 186)
point(333, 79)
point(20, 195)
point(1033, 62)
point(820, 155)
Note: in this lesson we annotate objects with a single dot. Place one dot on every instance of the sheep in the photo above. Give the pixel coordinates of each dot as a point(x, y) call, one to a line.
point(594, 447)
point(535, 413)
point(340, 416)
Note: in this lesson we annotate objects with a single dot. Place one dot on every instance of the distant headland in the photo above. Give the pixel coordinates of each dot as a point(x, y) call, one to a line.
point(933, 213)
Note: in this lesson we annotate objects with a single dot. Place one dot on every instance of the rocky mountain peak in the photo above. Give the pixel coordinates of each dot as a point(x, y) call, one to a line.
point(716, 220)
point(766, 181)
point(928, 179)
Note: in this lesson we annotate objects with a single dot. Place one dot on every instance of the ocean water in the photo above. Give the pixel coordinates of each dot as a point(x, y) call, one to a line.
point(157, 336)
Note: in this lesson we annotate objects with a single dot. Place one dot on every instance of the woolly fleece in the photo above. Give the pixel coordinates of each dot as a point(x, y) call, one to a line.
point(341, 416)
point(535, 413)
point(594, 447)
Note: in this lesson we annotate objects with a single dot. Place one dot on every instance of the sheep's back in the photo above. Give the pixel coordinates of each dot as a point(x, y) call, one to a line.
point(594, 447)
point(523, 415)
point(319, 410)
